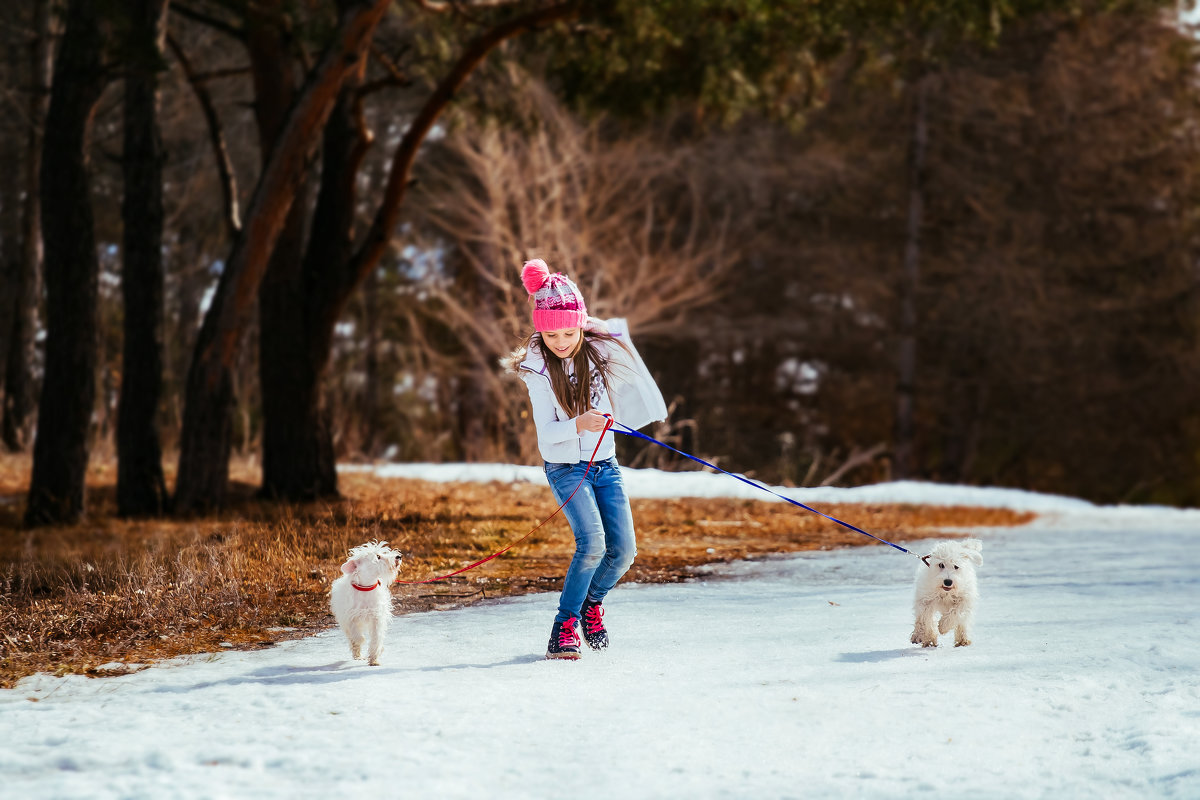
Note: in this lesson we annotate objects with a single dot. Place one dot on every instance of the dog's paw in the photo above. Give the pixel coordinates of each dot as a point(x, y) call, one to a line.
point(924, 636)
point(962, 642)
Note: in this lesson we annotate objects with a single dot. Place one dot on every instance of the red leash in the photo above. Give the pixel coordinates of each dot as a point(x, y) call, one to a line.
point(473, 565)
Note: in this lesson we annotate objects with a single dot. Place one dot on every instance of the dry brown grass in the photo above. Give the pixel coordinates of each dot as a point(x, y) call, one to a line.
point(79, 598)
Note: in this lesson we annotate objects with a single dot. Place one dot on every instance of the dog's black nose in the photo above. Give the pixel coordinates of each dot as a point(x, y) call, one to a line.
point(948, 582)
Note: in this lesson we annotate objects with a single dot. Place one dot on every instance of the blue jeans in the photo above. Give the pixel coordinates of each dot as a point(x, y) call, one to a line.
point(602, 522)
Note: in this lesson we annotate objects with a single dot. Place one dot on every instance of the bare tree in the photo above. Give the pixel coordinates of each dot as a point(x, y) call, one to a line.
point(60, 454)
point(287, 322)
point(16, 356)
point(338, 262)
point(631, 218)
point(206, 438)
point(11, 151)
point(204, 446)
point(141, 487)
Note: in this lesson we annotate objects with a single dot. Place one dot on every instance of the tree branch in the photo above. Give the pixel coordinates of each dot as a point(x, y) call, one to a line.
point(212, 75)
point(442, 6)
point(216, 136)
point(856, 459)
point(221, 25)
point(395, 75)
point(376, 242)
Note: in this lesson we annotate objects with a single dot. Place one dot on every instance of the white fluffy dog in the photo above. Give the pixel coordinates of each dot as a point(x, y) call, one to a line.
point(947, 587)
point(361, 598)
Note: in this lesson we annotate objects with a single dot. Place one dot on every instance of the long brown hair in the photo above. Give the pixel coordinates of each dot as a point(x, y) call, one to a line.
point(576, 399)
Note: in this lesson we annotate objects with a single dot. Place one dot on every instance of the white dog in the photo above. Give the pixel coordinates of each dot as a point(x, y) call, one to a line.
point(947, 587)
point(361, 598)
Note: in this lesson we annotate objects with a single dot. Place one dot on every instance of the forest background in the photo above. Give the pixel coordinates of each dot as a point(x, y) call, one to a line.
point(946, 240)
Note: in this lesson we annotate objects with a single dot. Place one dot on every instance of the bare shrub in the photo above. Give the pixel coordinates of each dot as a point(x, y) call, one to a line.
point(632, 218)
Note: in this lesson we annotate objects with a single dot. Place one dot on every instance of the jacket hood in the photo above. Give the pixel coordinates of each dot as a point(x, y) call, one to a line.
point(523, 358)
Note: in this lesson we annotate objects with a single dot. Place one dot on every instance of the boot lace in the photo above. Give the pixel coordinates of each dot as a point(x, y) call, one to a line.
point(567, 636)
point(593, 619)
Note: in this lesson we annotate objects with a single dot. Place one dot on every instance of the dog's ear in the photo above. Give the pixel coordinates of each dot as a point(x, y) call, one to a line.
point(973, 550)
point(349, 567)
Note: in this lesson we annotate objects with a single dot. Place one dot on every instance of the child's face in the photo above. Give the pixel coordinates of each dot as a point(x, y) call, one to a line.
point(563, 343)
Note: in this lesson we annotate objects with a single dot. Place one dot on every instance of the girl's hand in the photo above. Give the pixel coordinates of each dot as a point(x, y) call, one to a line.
point(591, 420)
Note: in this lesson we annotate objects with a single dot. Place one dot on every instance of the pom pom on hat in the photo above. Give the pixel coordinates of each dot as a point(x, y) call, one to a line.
point(534, 274)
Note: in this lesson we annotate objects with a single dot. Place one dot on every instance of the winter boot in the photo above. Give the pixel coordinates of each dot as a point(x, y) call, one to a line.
point(593, 625)
point(564, 640)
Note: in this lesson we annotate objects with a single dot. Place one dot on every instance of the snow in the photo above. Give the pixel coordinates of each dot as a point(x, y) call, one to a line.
point(785, 677)
point(654, 483)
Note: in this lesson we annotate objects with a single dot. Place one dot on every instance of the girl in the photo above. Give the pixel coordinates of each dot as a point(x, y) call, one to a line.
point(577, 370)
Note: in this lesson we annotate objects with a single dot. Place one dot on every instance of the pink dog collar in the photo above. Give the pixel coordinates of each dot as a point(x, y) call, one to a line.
point(365, 588)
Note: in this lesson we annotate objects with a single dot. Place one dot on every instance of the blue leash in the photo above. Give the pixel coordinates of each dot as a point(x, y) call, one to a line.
point(628, 431)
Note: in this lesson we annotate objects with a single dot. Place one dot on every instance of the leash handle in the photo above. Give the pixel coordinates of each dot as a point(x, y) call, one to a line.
point(628, 431)
point(510, 546)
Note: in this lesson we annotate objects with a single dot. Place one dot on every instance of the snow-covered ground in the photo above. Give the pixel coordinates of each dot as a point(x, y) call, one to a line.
point(787, 677)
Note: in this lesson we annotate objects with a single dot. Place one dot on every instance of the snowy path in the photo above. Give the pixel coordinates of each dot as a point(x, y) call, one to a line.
point(790, 677)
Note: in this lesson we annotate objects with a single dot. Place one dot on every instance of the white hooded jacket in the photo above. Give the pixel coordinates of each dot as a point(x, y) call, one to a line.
point(635, 398)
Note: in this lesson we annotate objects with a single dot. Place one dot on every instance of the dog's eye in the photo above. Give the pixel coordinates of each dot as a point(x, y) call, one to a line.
point(941, 566)
point(956, 566)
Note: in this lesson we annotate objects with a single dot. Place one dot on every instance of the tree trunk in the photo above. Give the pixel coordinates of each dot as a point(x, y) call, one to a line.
point(298, 449)
point(16, 357)
point(11, 151)
point(205, 439)
point(56, 491)
point(906, 367)
point(141, 488)
point(295, 465)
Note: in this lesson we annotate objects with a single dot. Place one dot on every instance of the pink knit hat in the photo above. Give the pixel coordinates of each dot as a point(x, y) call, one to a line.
point(557, 303)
